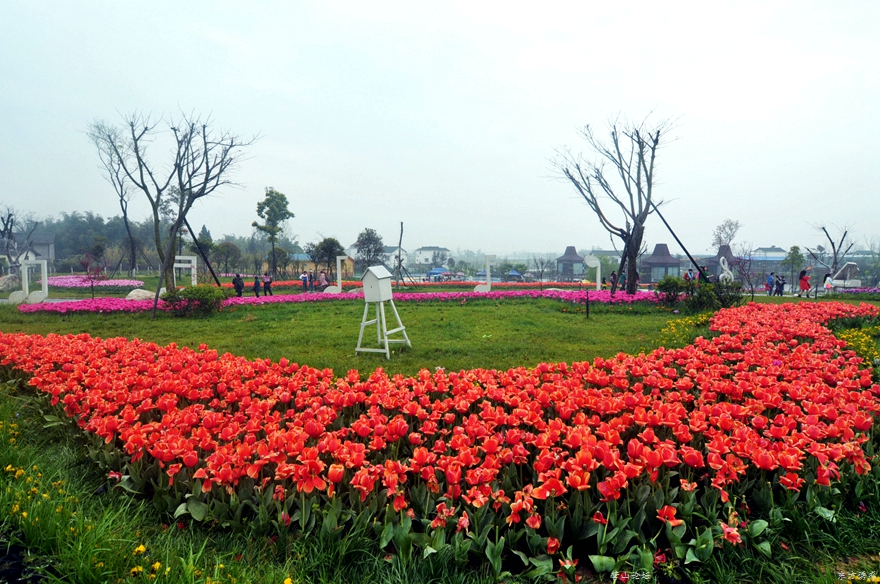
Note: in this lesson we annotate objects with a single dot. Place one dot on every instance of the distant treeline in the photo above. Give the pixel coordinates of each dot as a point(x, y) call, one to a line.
point(77, 234)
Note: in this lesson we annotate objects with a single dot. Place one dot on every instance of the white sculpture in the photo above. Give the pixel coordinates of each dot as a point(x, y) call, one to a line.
point(187, 263)
point(487, 287)
point(338, 287)
point(846, 277)
point(25, 295)
point(377, 290)
point(727, 276)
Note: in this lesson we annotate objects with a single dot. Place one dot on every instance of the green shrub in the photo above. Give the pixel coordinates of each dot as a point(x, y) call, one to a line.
point(702, 299)
point(714, 296)
point(672, 288)
point(196, 301)
point(729, 294)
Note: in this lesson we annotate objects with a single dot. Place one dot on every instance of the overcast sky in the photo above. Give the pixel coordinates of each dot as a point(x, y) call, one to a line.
point(445, 116)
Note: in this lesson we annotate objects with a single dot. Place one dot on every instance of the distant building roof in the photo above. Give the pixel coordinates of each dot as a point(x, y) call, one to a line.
point(769, 250)
point(660, 257)
point(432, 248)
point(605, 253)
point(723, 252)
point(570, 255)
point(38, 236)
point(771, 253)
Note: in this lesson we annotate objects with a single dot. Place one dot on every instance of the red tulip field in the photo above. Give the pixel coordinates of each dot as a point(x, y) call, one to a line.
point(616, 465)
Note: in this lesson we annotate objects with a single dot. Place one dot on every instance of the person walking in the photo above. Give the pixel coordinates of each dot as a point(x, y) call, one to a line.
point(257, 286)
point(828, 284)
point(780, 285)
point(770, 286)
point(311, 281)
point(267, 284)
point(304, 278)
point(804, 283)
point(238, 285)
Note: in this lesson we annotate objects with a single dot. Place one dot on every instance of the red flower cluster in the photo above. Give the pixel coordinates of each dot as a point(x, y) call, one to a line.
point(774, 392)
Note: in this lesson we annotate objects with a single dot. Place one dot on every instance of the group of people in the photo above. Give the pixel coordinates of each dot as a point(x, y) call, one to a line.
point(266, 284)
point(776, 284)
point(804, 280)
point(311, 284)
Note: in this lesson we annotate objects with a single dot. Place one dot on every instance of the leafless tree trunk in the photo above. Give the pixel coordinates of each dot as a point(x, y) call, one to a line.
point(201, 161)
point(837, 250)
point(542, 264)
point(102, 136)
point(742, 267)
point(631, 152)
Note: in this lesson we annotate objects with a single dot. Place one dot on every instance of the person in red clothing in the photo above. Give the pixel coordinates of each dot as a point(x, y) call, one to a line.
point(804, 280)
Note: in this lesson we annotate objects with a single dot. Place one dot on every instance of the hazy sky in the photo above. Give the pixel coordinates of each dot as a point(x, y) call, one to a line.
point(445, 115)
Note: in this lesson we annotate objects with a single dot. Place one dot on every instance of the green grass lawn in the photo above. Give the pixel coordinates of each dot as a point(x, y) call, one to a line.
point(486, 334)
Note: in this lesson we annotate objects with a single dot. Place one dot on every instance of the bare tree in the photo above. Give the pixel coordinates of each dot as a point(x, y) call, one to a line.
point(744, 270)
point(102, 136)
point(16, 232)
point(201, 160)
point(631, 152)
point(541, 265)
point(839, 249)
point(725, 233)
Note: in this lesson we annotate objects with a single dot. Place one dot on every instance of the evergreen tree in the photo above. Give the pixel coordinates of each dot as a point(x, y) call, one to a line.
point(370, 249)
point(273, 211)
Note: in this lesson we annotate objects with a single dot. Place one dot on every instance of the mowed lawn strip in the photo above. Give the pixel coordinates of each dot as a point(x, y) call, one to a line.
point(485, 334)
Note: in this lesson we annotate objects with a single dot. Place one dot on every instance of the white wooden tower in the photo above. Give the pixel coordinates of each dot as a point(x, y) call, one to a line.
point(377, 290)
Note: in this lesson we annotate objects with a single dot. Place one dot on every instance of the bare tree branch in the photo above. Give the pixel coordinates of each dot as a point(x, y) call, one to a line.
point(838, 253)
point(631, 150)
point(201, 161)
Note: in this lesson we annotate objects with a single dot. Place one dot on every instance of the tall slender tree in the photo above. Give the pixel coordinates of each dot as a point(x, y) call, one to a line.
point(107, 138)
point(274, 212)
point(794, 261)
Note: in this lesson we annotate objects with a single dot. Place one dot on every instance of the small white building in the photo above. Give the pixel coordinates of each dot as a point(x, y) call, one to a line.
point(389, 252)
point(389, 255)
point(425, 255)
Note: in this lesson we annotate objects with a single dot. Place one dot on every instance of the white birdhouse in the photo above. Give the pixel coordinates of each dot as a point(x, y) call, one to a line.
point(377, 291)
point(377, 284)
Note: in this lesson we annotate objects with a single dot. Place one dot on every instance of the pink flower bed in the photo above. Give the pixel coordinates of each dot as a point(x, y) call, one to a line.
point(93, 305)
point(81, 281)
point(122, 305)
